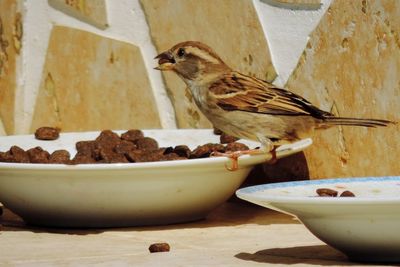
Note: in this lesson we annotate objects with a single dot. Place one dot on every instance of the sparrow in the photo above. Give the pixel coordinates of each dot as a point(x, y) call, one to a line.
point(247, 107)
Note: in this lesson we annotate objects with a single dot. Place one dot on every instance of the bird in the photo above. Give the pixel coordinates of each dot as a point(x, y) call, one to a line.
point(247, 107)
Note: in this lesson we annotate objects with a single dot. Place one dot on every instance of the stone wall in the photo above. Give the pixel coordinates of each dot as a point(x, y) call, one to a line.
point(88, 65)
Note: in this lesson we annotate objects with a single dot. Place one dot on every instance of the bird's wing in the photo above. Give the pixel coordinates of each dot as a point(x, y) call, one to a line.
point(240, 92)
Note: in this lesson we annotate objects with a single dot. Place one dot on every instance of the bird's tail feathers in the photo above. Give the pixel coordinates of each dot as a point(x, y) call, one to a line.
point(356, 122)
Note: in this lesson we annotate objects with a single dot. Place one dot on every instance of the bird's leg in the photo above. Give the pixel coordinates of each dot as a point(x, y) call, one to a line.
point(234, 155)
point(267, 147)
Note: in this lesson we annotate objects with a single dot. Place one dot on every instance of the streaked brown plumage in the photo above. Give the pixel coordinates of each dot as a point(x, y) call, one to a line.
point(244, 106)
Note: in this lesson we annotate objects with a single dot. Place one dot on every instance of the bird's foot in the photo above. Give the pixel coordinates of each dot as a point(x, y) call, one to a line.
point(236, 154)
point(232, 155)
point(274, 158)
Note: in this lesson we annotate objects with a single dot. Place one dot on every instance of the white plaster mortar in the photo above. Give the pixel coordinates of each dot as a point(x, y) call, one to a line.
point(287, 32)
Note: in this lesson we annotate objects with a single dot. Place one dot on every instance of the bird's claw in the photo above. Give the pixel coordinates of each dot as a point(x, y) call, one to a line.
point(233, 156)
point(274, 158)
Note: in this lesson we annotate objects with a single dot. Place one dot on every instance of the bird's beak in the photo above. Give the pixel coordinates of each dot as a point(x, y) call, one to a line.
point(166, 61)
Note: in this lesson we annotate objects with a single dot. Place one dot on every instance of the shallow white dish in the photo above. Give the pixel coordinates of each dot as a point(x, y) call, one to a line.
point(123, 194)
point(365, 227)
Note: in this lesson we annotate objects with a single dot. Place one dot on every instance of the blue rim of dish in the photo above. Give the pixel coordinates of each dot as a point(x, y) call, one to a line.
point(256, 188)
point(249, 192)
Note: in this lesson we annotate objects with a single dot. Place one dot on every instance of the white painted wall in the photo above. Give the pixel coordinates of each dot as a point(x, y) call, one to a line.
point(286, 30)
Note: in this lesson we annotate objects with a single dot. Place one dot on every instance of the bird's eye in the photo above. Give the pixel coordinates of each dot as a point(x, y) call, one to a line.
point(181, 52)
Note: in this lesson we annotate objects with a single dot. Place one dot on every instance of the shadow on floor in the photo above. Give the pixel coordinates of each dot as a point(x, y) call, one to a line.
point(310, 255)
point(228, 214)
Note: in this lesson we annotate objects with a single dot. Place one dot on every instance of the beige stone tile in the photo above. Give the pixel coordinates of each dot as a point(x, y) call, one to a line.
point(232, 30)
point(9, 21)
point(351, 66)
point(90, 11)
point(91, 82)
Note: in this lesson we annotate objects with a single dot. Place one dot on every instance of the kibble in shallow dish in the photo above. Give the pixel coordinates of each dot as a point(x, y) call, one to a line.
point(363, 223)
point(131, 146)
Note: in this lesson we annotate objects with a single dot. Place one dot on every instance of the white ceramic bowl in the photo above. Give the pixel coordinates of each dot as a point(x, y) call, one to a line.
point(365, 227)
point(110, 195)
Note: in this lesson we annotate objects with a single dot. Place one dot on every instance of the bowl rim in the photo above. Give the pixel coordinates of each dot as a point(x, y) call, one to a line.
point(253, 192)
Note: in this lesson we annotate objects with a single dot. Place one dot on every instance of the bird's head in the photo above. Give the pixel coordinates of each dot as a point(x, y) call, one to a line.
point(192, 61)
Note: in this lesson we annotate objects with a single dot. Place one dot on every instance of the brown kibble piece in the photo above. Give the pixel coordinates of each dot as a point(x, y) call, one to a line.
point(326, 192)
point(159, 247)
point(204, 151)
point(236, 146)
point(85, 147)
point(347, 193)
point(108, 138)
point(226, 138)
point(182, 151)
point(217, 131)
point(144, 156)
point(19, 155)
point(107, 155)
point(38, 155)
point(124, 147)
point(172, 156)
point(82, 159)
point(47, 133)
point(59, 157)
point(132, 135)
point(166, 150)
point(135, 156)
point(146, 143)
point(6, 157)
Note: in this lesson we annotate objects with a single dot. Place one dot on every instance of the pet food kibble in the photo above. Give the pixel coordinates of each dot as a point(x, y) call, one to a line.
point(182, 151)
point(326, 192)
point(159, 247)
point(235, 146)
point(124, 147)
point(6, 157)
point(108, 147)
point(132, 135)
point(217, 131)
point(85, 147)
point(59, 157)
point(172, 156)
point(226, 138)
point(19, 155)
point(146, 143)
point(144, 156)
point(347, 193)
point(107, 155)
point(47, 133)
point(135, 156)
point(205, 151)
point(108, 138)
point(38, 155)
point(82, 159)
